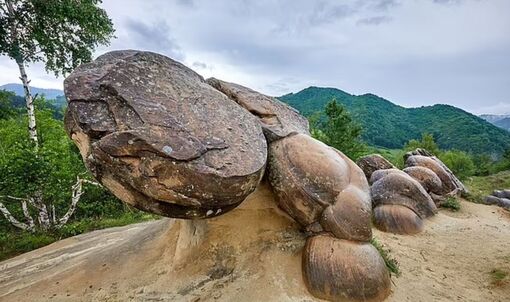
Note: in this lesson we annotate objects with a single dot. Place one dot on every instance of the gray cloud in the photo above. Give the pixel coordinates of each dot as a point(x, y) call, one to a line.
point(411, 52)
point(155, 36)
point(374, 20)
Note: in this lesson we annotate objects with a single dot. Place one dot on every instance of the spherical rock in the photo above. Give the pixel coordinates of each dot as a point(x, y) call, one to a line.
point(340, 270)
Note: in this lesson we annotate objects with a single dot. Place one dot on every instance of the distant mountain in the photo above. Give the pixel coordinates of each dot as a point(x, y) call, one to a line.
point(388, 125)
point(502, 121)
point(18, 90)
point(54, 96)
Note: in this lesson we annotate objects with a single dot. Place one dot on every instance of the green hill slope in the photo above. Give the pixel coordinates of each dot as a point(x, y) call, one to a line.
point(388, 125)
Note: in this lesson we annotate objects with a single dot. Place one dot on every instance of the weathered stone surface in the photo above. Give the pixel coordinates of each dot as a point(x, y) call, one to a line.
point(423, 158)
point(162, 139)
point(277, 119)
point(427, 178)
point(397, 219)
point(501, 193)
point(382, 173)
point(500, 198)
point(341, 270)
point(371, 163)
point(310, 178)
point(401, 189)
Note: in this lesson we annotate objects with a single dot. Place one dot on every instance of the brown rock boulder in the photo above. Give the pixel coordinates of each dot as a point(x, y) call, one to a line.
point(401, 189)
point(341, 270)
point(160, 138)
point(371, 163)
point(310, 178)
point(277, 119)
point(427, 178)
point(423, 158)
point(397, 219)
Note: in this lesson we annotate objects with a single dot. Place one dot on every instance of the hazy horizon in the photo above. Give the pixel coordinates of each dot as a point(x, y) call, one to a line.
point(413, 53)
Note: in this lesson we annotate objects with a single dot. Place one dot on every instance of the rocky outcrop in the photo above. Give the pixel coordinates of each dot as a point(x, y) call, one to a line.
point(403, 199)
point(164, 140)
point(371, 163)
point(423, 158)
point(400, 203)
point(277, 119)
point(501, 198)
point(160, 138)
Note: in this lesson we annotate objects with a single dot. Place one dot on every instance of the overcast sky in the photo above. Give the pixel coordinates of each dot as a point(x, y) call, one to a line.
point(412, 52)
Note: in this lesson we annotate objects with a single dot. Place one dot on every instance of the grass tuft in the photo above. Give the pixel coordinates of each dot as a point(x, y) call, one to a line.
point(499, 277)
point(391, 263)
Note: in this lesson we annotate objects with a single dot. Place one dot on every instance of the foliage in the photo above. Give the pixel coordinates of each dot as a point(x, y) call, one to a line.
point(459, 162)
point(451, 203)
point(17, 242)
point(51, 169)
point(481, 186)
point(391, 263)
point(427, 142)
point(338, 130)
point(6, 108)
point(391, 126)
point(60, 33)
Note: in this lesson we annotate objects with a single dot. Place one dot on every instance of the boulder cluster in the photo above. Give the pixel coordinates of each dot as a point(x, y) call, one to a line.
point(402, 199)
point(500, 198)
point(166, 141)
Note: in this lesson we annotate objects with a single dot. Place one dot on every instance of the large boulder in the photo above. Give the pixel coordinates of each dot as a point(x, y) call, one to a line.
point(316, 183)
point(423, 158)
point(160, 138)
point(371, 163)
point(400, 202)
point(277, 119)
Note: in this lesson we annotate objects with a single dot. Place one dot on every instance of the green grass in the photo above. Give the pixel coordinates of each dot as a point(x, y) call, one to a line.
point(451, 203)
point(481, 186)
point(13, 243)
point(498, 277)
point(391, 263)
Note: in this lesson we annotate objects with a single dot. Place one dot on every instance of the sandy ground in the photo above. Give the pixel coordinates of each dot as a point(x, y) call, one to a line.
point(259, 260)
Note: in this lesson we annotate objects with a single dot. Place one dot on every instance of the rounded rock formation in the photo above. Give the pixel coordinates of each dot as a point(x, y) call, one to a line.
point(160, 138)
point(165, 141)
point(371, 163)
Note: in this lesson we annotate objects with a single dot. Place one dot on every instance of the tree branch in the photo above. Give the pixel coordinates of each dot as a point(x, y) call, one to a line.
point(11, 218)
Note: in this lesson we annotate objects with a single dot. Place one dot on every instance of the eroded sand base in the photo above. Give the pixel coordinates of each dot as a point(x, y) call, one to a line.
point(254, 254)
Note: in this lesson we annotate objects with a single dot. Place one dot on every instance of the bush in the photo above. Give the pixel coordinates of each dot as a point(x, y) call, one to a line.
point(459, 162)
point(451, 203)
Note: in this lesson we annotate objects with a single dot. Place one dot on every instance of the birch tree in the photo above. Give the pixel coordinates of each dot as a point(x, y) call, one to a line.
point(60, 33)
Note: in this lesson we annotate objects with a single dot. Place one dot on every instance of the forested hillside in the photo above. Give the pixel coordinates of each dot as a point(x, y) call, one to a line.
point(388, 125)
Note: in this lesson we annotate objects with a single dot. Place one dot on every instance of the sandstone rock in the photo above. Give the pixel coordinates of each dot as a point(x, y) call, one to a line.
point(501, 193)
point(371, 163)
point(427, 178)
point(160, 138)
point(401, 189)
point(277, 119)
point(341, 270)
point(423, 158)
point(309, 177)
point(397, 219)
point(382, 173)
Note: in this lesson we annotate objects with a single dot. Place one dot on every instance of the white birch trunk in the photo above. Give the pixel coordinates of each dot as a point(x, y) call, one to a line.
point(32, 126)
point(13, 220)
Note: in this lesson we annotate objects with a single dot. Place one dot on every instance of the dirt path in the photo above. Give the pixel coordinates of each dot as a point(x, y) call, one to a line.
point(452, 259)
point(449, 261)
